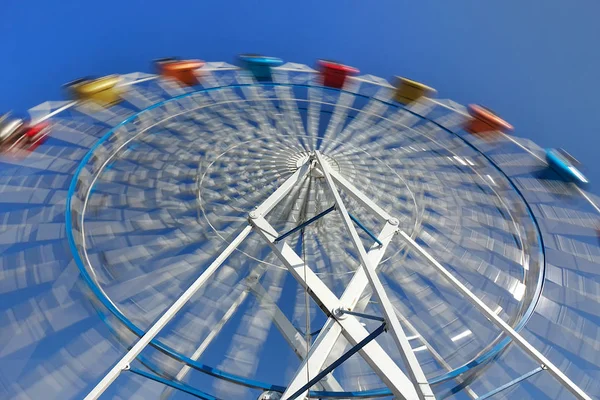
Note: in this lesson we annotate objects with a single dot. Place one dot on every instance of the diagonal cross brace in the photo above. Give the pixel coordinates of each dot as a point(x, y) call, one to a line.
point(352, 329)
point(168, 315)
point(331, 331)
point(289, 332)
point(414, 367)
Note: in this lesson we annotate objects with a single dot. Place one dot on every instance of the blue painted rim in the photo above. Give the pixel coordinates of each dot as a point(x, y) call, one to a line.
point(482, 359)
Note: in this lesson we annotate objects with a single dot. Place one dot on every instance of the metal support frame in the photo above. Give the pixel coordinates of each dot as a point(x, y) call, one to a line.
point(306, 223)
point(341, 318)
point(362, 315)
point(351, 328)
point(364, 228)
point(294, 338)
point(331, 330)
point(512, 383)
point(339, 361)
point(496, 320)
point(129, 357)
point(414, 367)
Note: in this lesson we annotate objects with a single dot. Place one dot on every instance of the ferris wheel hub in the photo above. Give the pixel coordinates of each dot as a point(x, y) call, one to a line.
point(299, 159)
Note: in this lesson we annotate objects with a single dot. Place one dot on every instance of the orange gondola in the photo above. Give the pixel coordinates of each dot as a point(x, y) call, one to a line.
point(484, 120)
point(184, 71)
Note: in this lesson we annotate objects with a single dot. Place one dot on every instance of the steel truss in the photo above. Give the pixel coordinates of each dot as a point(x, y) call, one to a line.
point(343, 313)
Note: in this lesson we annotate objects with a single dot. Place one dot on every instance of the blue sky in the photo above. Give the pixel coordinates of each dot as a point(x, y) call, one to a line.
point(534, 62)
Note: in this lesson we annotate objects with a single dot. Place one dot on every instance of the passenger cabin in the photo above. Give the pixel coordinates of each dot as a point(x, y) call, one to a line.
point(484, 120)
point(566, 165)
point(183, 71)
point(334, 75)
point(260, 66)
point(102, 91)
point(16, 134)
point(409, 91)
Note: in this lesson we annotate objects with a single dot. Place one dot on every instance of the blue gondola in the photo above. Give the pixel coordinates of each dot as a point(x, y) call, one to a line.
point(260, 66)
point(566, 165)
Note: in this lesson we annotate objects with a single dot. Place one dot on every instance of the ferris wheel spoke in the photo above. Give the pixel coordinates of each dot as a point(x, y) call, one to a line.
point(144, 96)
point(313, 116)
point(438, 340)
point(417, 337)
point(476, 267)
point(367, 114)
point(166, 393)
point(340, 113)
point(469, 238)
point(289, 110)
point(110, 117)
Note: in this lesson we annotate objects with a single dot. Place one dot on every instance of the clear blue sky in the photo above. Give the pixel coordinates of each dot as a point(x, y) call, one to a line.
point(534, 62)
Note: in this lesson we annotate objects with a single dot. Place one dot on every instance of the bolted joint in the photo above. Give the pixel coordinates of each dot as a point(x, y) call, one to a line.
point(338, 313)
point(252, 279)
point(393, 221)
point(253, 214)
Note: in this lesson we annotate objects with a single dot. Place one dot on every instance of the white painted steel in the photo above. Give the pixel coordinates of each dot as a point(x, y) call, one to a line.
point(496, 320)
point(352, 329)
point(410, 360)
point(165, 318)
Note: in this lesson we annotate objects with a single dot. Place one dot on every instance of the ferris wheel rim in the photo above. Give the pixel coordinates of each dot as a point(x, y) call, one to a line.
point(489, 354)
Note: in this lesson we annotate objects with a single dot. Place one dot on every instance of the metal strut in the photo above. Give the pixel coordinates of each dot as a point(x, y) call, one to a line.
point(512, 383)
point(496, 320)
point(310, 221)
point(340, 360)
point(170, 313)
point(361, 315)
point(417, 376)
point(174, 384)
point(364, 228)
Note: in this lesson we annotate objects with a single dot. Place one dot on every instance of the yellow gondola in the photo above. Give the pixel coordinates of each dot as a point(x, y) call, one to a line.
point(103, 91)
point(408, 91)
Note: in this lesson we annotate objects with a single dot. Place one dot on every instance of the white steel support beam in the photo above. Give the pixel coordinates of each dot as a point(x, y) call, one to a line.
point(414, 367)
point(123, 364)
point(155, 329)
point(283, 324)
point(290, 333)
point(283, 190)
point(331, 330)
point(358, 195)
point(437, 356)
point(206, 342)
point(352, 329)
point(496, 320)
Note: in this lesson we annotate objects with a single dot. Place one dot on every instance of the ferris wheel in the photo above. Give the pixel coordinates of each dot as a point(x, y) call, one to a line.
point(277, 231)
